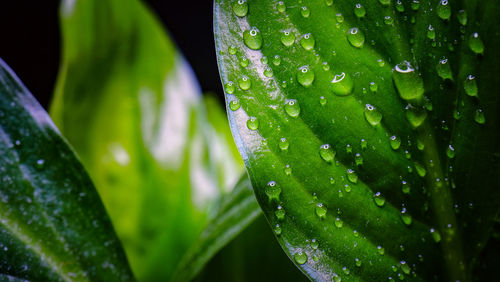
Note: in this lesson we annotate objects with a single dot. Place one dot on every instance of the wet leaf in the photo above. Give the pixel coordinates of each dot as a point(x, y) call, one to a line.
point(53, 224)
point(130, 105)
point(376, 131)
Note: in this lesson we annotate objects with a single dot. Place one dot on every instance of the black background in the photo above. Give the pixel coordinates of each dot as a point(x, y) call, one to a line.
point(30, 40)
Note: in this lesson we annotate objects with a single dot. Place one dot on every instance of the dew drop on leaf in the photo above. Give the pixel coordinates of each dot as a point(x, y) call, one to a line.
point(352, 176)
point(244, 82)
point(476, 44)
point(431, 33)
point(479, 116)
point(405, 217)
point(240, 8)
point(415, 116)
point(405, 187)
point(244, 62)
point(232, 50)
point(234, 105)
point(305, 12)
point(388, 20)
point(273, 190)
point(339, 18)
point(253, 123)
point(328, 2)
point(373, 87)
point(287, 38)
point(421, 171)
point(435, 235)
point(462, 17)
point(322, 100)
point(288, 169)
point(307, 41)
point(305, 76)
point(326, 153)
point(252, 38)
point(380, 250)
point(277, 229)
point(321, 210)
point(470, 86)
point(268, 72)
point(292, 108)
point(300, 257)
point(280, 213)
point(399, 6)
point(379, 199)
point(284, 144)
point(443, 10)
point(408, 83)
point(359, 10)
point(385, 2)
point(338, 222)
point(450, 152)
point(229, 87)
point(358, 159)
point(395, 142)
point(281, 7)
point(357, 261)
point(444, 70)
point(314, 244)
point(363, 144)
point(276, 60)
point(415, 5)
point(342, 84)
point(355, 37)
point(372, 115)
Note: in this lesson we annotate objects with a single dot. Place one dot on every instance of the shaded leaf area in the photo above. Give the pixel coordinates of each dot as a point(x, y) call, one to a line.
point(236, 211)
point(254, 255)
point(130, 105)
point(53, 225)
point(374, 127)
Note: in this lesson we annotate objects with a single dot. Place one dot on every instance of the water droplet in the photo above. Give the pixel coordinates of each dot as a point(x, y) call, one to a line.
point(273, 190)
point(229, 87)
point(280, 213)
point(476, 44)
point(284, 144)
point(321, 210)
point(479, 116)
point(244, 62)
point(252, 38)
point(322, 100)
point(277, 230)
point(305, 76)
point(373, 87)
point(288, 169)
point(300, 257)
point(444, 70)
point(381, 250)
point(395, 142)
point(339, 18)
point(372, 115)
point(234, 105)
point(277, 60)
point(415, 116)
point(307, 41)
point(408, 83)
point(40, 163)
point(421, 171)
point(450, 152)
point(240, 8)
point(399, 6)
point(253, 123)
point(268, 72)
point(357, 261)
point(263, 60)
point(415, 5)
point(356, 37)
point(462, 17)
point(352, 176)
point(342, 84)
point(388, 20)
point(405, 187)
point(358, 159)
point(305, 12)
point(405, 267)
point(281, 7)
point(379, 199)
point(338, 222)
point(244, 83)
point(292, 108)
point(470, 86)
point(314, 244)
point(443, 10)
point(435, 235)
point(326, 153)
point(363, 144)
point(287, 38)
point(348, 148)
point(405, 217)
point(385, 2)
point(431, 33)
point(359, 10)
point(232, 50)
point(328, 2)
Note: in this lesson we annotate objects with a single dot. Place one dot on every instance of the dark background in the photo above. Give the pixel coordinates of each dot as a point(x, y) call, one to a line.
point(30, 40)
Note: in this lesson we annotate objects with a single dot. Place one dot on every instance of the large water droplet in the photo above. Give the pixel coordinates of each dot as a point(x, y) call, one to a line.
point(479, 116)
point(229, 87)
point(338, 222)
point(443, 10)
point(321, 210)
point(276, 60)
point(252, 38)
point(253, 123)
point(305, 76)
point(444, 70)
point(281, 7)
point(327, 153)
point(305, 12)
point(462, 17)
point(234, 105)
point(356, 37)
point(307, 41)
point(399, 6)
point(431, 33)
point(470, 86)
point(352, 176)
point(300, 257)
point(359, 10)
point(415, 116)
point(273, 190)
point(372, 115)
point(287, 38)
point(292, 108)
point(395, 142)
point(244, 82)
point(408, 83)
point(379, 199)
point(476, 44)
point(284, 144)
point(240, 8)
point(342, 84)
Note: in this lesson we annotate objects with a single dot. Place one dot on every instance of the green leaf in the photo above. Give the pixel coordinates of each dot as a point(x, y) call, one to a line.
point(376, 131)
point(129, 103)
point(53, 225)
point(236, 211)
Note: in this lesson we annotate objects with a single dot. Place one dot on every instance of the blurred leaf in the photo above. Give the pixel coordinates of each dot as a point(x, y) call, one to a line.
point(254, 255)
point(236, 211)
point(53, 226)
point(130, 105)
point(373, 125)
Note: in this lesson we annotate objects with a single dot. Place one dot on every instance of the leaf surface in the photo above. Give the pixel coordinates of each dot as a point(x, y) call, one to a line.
point(130, 105)
point(53, 225)
point(373, 126)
